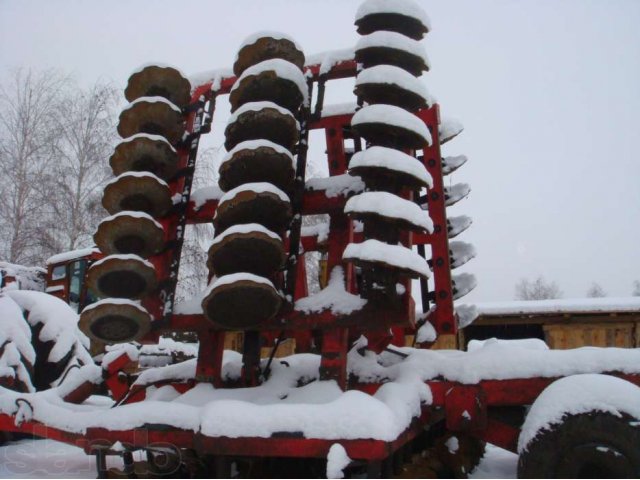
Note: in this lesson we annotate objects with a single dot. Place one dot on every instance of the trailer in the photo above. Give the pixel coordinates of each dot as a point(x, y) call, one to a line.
point(363, 394)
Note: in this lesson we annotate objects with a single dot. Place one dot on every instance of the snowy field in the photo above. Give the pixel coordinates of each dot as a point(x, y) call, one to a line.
point(50, 459)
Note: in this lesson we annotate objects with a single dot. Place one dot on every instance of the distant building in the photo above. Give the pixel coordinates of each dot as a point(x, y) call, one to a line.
point(563, 323)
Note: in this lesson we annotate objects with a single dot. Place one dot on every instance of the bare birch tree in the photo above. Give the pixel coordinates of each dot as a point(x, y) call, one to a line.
point(86, 134)
point(596, 291)
point(538, 289)
point(55, 140)
point(27, 108)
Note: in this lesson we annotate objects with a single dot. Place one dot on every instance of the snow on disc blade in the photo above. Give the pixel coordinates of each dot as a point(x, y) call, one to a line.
point(144, 152)
point(137, 191)
point(461, 253)
point(401, 16)
point(241, 300)
point(462, 284)
point(390, 48)
point(262, 121)
point(115, 320)
point(261, 203)
point(455, 193)
point(390, 159)
point(451, 164)
point(393, 256)
point(247, 248)
point(152, 115)
point(257, 161)
point(159, 80)
point(274, 80)
point(393, 86)
point(391, 207)
point(457, 225)
point(392, 126)
point(448, 129)
point(267, 45)
point(130, 232)
point(122, 276)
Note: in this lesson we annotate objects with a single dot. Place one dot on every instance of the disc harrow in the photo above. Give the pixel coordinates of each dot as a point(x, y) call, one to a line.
point(384, 197)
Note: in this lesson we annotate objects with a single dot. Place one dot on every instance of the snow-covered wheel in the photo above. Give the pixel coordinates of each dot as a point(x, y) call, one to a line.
point(584, 426)
point(589, 445)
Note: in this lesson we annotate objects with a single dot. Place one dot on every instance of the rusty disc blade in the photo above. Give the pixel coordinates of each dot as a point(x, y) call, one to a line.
point(248, 206)
point(127, 233)
point(386, 179)
point(266, 48)
point(153, 117)
point(156, 80)
point(261, 164)
point(266, 86)
point(386, 135)
point(115, 322)
point(137, 192)
point(384, 224)
point(122, 276)
point(266, 123)
point(381, 55)
point(392, 22)
point(241, 304)
point(390, 94)
point(250, 251)
point(145, 153)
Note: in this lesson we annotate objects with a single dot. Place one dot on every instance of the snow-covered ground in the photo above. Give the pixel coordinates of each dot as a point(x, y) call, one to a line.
point(497, 463)
point(44, 459)
point(50, 459)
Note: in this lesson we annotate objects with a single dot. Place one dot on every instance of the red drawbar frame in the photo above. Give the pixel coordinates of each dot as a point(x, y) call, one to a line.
point(336, 329)
point(449, 400)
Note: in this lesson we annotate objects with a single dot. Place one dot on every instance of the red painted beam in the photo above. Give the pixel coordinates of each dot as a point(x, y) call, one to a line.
point(514, 392)
point(345, 69)
point(524, 391)
point(443, 319)
point(466, 408)
point(7, 424)
point(373, 317)
point(314, 202)
point(288, 445)
point(500, 434)
point(159, 436)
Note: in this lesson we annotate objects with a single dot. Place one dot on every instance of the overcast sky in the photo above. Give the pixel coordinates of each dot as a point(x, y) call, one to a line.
point(548, 92)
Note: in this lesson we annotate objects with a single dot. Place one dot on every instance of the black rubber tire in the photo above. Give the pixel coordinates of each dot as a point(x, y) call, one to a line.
point(588, 445)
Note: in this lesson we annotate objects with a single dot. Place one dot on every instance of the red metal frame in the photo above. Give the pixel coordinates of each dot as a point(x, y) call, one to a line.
point(336, 329)
point(462, 407)
point(443, 318)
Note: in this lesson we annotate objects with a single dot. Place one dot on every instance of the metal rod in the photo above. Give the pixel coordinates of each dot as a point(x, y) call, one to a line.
point(101, 463)
point(317, 111)
point(267, 369)
point(169, 290)
point(129, 465)
point(298, 194)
